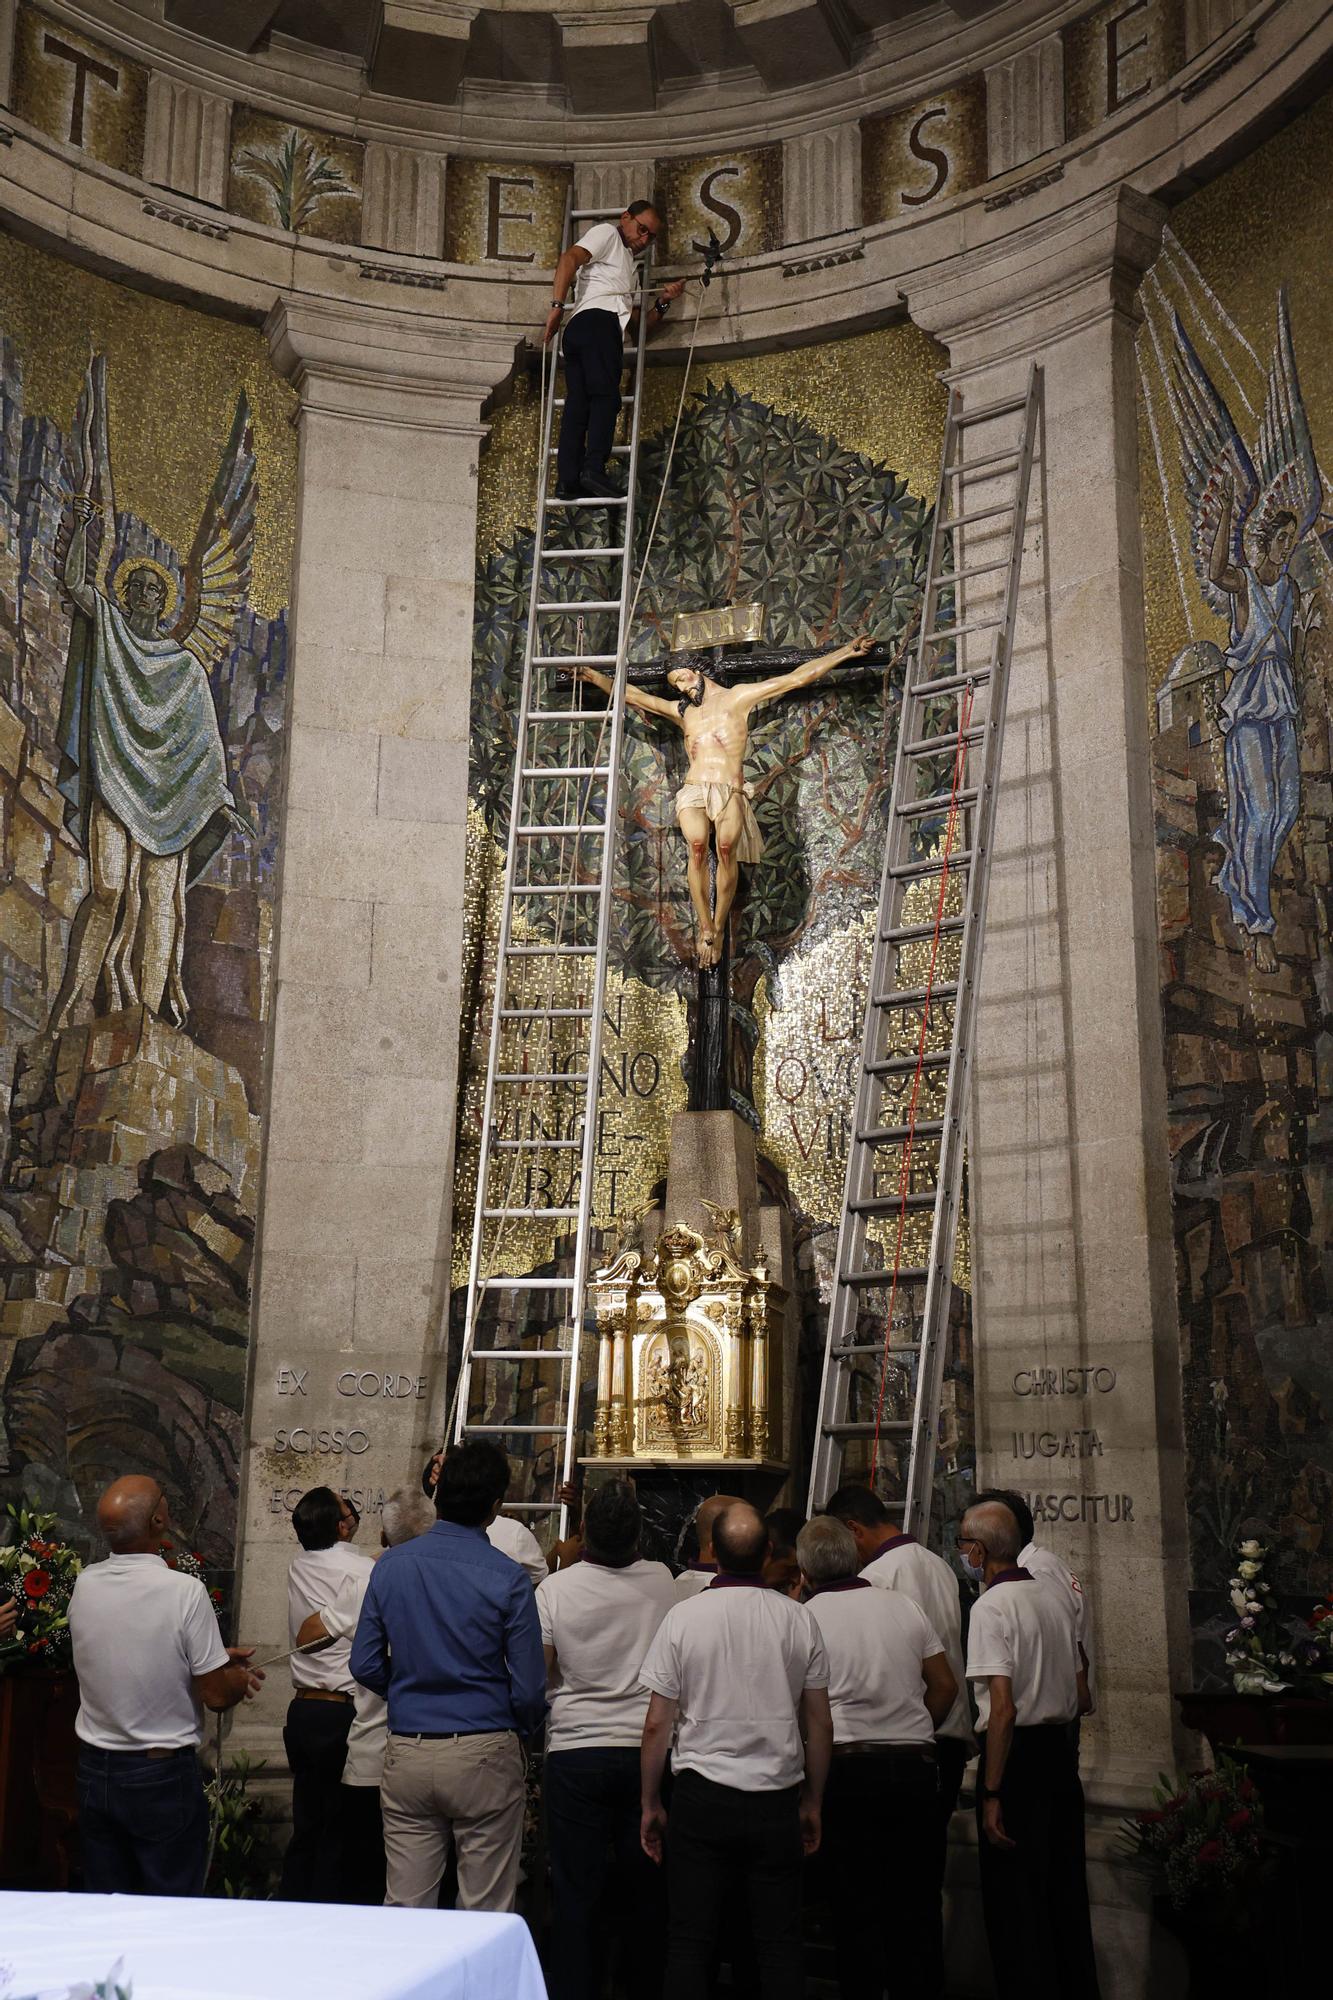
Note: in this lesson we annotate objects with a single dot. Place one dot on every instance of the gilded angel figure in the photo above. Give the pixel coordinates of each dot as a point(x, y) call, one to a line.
point(1249, 516)
point(143, 768)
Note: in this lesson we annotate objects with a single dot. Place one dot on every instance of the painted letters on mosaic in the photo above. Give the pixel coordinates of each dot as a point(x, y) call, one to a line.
point(79, 91)
point(923, 154)
point(1116, 55)
point(146, 487)
point(506, 213)
point(1237, 424)
point(735, 196)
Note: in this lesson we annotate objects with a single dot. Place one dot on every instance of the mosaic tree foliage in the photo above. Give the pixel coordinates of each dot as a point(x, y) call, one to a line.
point(761, 508)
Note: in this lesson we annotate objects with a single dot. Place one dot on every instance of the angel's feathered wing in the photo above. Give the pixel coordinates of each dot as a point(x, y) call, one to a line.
point(1288, 472)
point(217, 575)
point(1210, 448)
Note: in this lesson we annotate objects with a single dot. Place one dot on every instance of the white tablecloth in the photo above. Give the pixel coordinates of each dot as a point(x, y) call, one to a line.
point(206, 1950)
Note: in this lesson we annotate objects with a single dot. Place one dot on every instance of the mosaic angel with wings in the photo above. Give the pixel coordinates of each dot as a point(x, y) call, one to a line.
point(1249, 516)
point(143, 768)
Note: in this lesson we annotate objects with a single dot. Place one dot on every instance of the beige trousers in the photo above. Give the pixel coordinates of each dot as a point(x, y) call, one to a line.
point(468, 1789)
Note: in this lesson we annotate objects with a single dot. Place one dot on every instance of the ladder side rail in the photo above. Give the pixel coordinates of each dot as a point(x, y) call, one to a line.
point(851, 1227)
point(474, 1289)
point(583, 1241)
point(944, 1232)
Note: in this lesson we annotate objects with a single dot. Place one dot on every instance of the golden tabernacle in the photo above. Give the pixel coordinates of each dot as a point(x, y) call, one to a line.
point(689, 1355)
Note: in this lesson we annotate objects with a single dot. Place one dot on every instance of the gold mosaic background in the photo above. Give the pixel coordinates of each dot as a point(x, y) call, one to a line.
point(892, 173)
point(170, 409)
point(468, 221)
point(44, 92)
point(1267, 221)
point(748, 185)
point(1158, 24)
point(293, 177)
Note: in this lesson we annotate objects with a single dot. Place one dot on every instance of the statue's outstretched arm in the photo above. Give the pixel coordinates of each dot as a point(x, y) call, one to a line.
point(77, 586)
point(811, 671)
point(637, 697)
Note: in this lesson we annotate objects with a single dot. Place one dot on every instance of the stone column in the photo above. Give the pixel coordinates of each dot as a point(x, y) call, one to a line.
point(8, 22)
point(355, 1222)
point(403, 199)
point(821, 183)
point(187, 133)
point(1025, 104)
point(1078, 1393)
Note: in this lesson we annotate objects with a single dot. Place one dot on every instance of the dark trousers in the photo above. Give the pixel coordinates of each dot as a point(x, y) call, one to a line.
point(1034, 1895)
point(883, 1803)
point(143, 1822)
point(592, 1816)
point(315, 1740)
point(594, 356)
point(361, 1877)
point(951, 1755)
point(728, 1851)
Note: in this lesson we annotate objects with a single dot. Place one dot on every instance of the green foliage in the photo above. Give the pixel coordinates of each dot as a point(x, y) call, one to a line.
point(298, 177)
point(39, 1572)
point(244, 1861)
point(1201, 1838)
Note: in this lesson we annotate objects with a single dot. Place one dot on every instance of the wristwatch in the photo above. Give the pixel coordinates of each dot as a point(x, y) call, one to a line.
point(661, 307)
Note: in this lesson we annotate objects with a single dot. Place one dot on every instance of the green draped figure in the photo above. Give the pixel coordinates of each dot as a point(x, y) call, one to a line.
point(143, 768)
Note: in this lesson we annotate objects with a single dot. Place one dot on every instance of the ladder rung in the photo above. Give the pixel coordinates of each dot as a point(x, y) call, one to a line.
point(916, 996)
point(583, 604)
point(992, 464)
point(612, 500)
point(546, 1013)
point(505, 1283)
point(522, 1354)
point(617, 451)
point(560, 400)
point(578, 555)
point(908, 1274)
point(948, 683)
point(513, 1430)
point(566, 770)
point(906, 1065)
point(891, 1135)
point(906, 870)
point(977, 514)
point(568, 714)
point(946, 581)
point(549, 1506)
point(555, 889)
point(569, 826)
point(536, 1145)
point(987, 412)
point(876, 1347)
point(907, 933)
point(942, 634)
point(541, 1076)
point(891, 1427)
point(931, 746)
point(892, 1204)
point(549, 950)
point(529, 1214)
point(937, 802)
point(574, 660)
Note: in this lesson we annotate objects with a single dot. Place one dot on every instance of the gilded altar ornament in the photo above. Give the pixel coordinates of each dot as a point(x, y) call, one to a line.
point(689, 1355)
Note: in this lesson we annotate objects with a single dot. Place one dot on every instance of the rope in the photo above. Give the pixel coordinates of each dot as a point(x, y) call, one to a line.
point(905, 1171)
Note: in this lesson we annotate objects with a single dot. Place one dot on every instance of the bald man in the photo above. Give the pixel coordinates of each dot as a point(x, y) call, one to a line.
point(697, 1576)
point(149, 1658)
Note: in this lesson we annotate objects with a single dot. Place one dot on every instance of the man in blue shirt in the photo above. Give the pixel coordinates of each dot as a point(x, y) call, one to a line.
point(449, 1635)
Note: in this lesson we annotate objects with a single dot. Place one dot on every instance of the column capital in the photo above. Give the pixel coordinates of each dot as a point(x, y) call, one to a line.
point(1037, 285)
point(371, 364)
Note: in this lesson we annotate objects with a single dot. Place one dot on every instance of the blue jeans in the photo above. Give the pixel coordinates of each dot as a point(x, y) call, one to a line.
point(143, 1822)
point(592, 1818)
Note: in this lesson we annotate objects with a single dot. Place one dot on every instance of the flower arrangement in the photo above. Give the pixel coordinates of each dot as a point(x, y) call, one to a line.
point(1201, 1838)
point(39, 1573)
point(191, 1564)
point(1266, 1653)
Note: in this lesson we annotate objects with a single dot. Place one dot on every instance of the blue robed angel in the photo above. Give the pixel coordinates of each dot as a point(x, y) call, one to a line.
point(143, 767)
point(1247, 524)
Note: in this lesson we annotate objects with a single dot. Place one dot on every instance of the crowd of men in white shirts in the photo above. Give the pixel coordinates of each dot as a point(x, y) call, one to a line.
point(715, 1742)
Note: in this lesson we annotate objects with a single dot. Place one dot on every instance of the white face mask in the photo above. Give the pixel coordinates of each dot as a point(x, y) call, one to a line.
point(972, 1571)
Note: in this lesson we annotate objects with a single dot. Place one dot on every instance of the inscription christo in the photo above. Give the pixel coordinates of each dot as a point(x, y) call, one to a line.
point(1064, 1381)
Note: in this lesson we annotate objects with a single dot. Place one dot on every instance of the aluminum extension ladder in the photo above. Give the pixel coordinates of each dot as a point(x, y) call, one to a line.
point(899, 1223)
point(554, 936)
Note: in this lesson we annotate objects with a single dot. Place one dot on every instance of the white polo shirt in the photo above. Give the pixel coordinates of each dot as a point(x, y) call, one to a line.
point(1023, 1628)
point(601, 1622)
point(693, 1579)
point(738, 1658)
point(931, 1584)
point(876, 1641)
point(1047, 1567)
point(369, 1731)
point(608, 282)
point(140, 1633)
point(520, 1545)
point(314, 1582)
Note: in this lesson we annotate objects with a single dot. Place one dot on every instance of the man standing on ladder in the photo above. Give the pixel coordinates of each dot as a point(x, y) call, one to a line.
point(601, 268)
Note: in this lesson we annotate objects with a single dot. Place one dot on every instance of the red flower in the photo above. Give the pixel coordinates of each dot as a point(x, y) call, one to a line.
point(1246, 1788)
point(36, 1584)
point(1239, 1819)
point(1210, 1851)
point(1151, 1818)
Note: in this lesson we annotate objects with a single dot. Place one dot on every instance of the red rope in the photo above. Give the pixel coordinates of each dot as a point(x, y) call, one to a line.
point(905, 1171)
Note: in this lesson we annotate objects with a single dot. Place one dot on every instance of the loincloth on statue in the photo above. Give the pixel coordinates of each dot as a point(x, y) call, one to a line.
point(713, 797)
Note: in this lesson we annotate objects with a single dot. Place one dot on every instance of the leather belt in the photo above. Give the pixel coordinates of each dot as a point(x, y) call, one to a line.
point(321, 1694)
point(916, 1753)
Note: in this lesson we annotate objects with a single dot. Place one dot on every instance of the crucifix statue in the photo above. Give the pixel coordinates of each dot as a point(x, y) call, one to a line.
point(713, 806)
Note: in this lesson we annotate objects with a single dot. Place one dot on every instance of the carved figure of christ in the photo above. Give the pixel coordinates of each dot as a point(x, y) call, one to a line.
point(713, 806)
